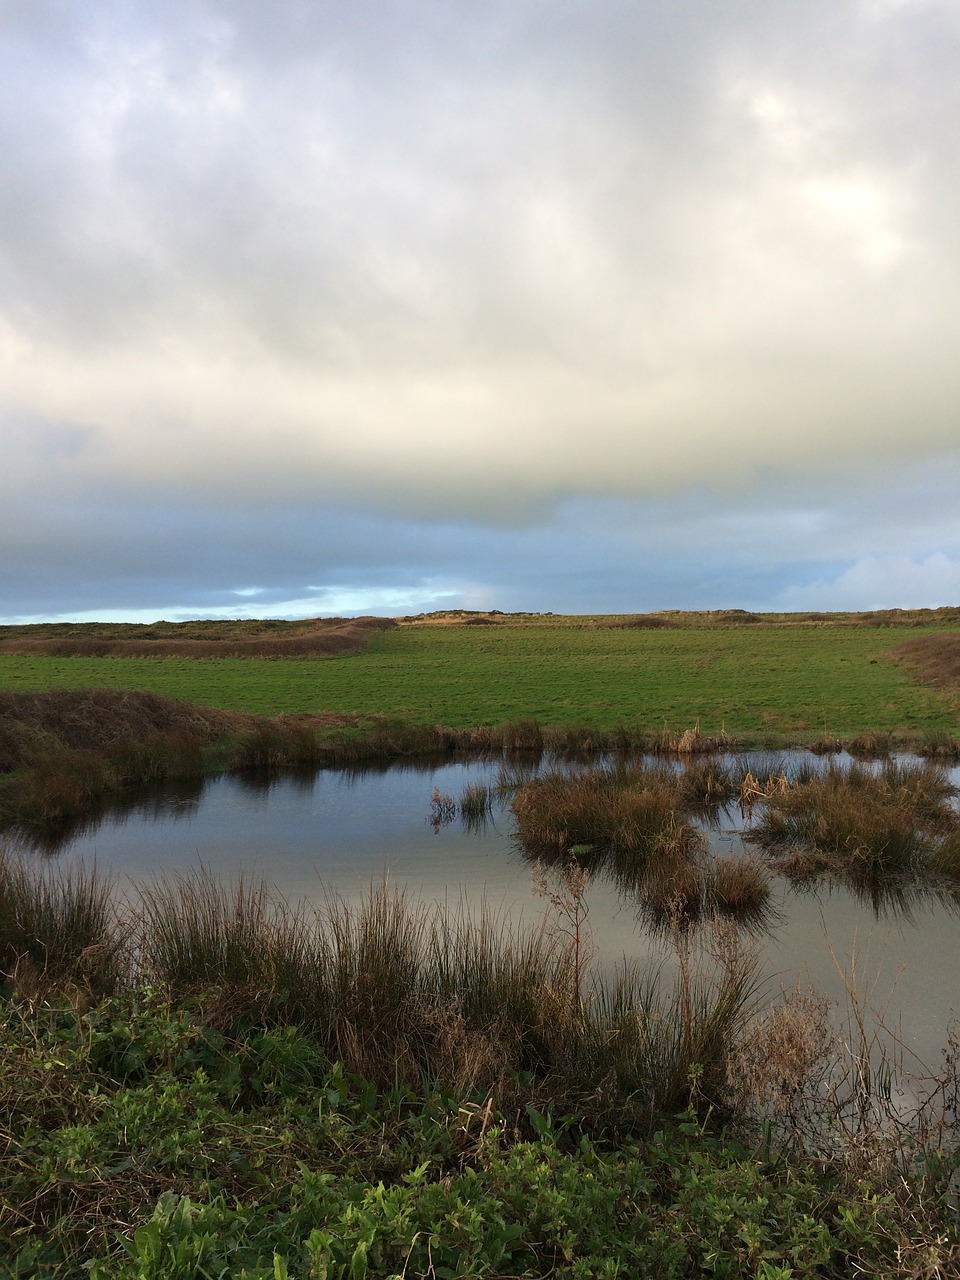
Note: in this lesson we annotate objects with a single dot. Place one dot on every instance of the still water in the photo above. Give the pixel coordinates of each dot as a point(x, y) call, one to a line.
point(342, 832)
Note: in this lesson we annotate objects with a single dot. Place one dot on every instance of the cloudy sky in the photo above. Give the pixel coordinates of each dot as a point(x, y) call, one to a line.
point(344, 306)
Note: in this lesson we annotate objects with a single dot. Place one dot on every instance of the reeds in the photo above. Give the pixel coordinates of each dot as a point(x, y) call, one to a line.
point(860, 824)
point(397, 992)
point(608, 809)
point(58, 929)
point(631, 820)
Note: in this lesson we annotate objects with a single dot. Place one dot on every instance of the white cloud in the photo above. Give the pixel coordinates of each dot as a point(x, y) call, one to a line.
point(881, 583)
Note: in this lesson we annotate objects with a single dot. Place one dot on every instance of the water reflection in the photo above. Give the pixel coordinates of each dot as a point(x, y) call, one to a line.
point(343, 829)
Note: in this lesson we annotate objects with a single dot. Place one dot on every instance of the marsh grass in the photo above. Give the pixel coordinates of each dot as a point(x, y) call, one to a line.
point(861, 824)
point(397, 992)
point(58, 929)
point(622, 808)
point(871, 746)
point(689, 742)
point(477, 803)
point(631, 821)
point(71, 785)
point(740, 888)
point(707, 786)
point(941, 746)
point(402, 992)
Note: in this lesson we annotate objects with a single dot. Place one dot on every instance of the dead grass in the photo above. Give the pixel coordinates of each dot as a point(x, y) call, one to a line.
point(100, 719)
point(870, 828)
point(933, 659)
point(689, 742)
point(262, 639)
point(836, 1084)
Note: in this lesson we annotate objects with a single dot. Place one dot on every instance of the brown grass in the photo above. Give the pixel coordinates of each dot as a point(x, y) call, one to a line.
point(99, 720)
point(934, 659)
point(263, 639)
point(859, 824)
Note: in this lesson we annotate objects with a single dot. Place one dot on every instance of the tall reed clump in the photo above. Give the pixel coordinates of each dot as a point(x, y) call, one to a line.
point(476, 804)
point(58, 929)
point(198, 933)
point(860, 823)
point(623, 808)
point(402, 993)
point(663, 1047)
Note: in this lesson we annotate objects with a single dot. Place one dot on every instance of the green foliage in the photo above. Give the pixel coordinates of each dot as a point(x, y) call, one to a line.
point(318, 1174)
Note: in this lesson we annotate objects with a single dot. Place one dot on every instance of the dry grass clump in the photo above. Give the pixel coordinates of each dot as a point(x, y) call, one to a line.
point(198, 932)
point(780, 1066)
point(58, 929)
point(707, 786)
point(630, 822)
point(859, 823)
point(689, 742)
point(594, 812)
point(740, 887)
point(521, 736)
point(944, 858)
point(672, 888)
point(940, 746)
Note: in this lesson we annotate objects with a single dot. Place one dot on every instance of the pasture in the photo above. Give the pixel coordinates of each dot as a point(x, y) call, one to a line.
point(775, 682)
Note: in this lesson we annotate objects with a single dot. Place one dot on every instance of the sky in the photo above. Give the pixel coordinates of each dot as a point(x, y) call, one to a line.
point(320, 307)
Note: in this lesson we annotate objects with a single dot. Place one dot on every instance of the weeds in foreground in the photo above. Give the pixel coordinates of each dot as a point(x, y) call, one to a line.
point(845, 1090)
point(253, 1155)
point(395, 992)
point(224, 1121)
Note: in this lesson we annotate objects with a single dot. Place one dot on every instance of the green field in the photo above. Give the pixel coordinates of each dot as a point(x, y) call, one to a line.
point(778, 682)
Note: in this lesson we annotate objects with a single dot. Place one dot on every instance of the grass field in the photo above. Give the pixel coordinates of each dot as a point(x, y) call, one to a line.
point(778, 682)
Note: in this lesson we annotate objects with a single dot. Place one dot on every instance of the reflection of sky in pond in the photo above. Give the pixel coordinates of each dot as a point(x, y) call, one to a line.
point(347, 830)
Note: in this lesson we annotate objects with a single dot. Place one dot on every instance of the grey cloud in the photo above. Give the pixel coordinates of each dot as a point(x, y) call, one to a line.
point(449, 266)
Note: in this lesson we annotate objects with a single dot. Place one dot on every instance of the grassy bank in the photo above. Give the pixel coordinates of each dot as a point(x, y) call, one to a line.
point(210, 1083)
point(769, 680)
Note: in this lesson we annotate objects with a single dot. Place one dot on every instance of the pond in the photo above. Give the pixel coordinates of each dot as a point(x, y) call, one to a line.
point(341, 831)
